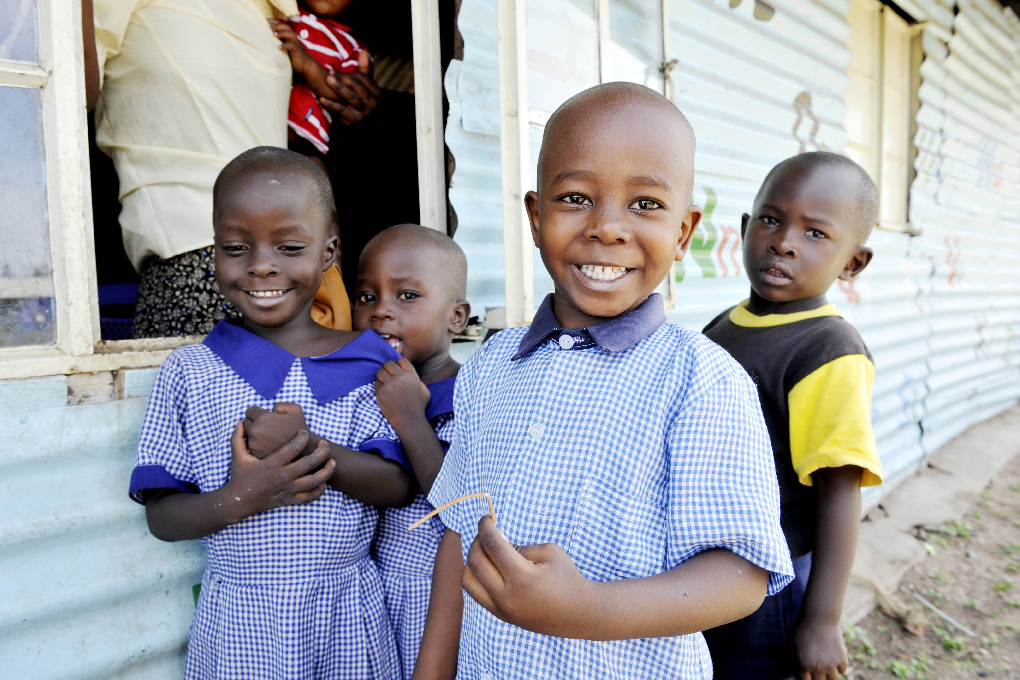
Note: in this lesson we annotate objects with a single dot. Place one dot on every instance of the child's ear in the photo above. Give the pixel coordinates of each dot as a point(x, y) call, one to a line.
point(531, 205)
point(459, 318)
point(332, 252)
point(692, 218)
point(857, 263)
point(744, 219)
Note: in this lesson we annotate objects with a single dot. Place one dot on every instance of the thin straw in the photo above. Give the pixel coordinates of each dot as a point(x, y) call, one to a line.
point(492, 510)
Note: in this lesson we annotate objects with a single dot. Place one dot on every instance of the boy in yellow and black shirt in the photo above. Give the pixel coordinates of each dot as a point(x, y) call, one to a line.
point(809, 224)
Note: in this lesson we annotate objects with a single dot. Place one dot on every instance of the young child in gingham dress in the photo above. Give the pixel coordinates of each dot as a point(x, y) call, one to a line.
point(406, 558)
point(290, 590)
point(402, 262)
point(295, 583)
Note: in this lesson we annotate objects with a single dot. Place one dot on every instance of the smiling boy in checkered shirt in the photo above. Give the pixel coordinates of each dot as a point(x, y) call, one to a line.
point(628, 456)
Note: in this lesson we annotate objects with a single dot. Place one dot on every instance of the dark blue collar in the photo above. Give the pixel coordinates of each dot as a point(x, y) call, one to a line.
point(265, 366)
point(615, 335)
point(442, 398)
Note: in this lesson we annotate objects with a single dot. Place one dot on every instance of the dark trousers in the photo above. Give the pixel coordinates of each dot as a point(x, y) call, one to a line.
point(760, 647)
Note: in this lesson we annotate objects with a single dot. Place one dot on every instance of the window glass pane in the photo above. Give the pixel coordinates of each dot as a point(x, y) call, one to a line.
point(635, 49)
point(26, 268)
point(19, 30)
point(563, 51)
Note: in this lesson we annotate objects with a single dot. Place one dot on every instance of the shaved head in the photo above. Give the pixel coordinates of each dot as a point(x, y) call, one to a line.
point(441, 252)
point(270, 159)
point(601, 106)
point(864, 191)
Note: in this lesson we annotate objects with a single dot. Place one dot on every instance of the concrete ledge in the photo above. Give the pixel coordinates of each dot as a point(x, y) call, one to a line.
point(941, 492)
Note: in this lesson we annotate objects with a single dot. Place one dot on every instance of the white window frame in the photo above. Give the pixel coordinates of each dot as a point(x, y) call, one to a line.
point(884, 81)
point(60, 75)
point(515, 116)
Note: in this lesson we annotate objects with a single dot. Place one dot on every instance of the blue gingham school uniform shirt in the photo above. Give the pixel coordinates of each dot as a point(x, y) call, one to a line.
point(634, 445)
point(293, 592)
point(406, 558)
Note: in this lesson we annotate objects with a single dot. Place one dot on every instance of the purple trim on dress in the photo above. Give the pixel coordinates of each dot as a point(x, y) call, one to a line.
point(145, 477)
point(388, 449)
point(441, 402)
point(265, 366)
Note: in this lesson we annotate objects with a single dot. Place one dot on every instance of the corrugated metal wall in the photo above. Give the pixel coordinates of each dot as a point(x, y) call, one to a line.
point(759, 82)
point(85, 591)
point(966, 204)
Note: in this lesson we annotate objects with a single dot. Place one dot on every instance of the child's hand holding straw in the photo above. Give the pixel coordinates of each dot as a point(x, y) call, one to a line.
point(536, 587)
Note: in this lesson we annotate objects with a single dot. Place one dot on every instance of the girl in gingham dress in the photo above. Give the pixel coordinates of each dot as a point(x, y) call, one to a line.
point(410, 290)
point(290, 590)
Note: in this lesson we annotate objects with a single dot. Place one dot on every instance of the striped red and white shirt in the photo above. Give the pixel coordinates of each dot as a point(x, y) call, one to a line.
point(331, 44)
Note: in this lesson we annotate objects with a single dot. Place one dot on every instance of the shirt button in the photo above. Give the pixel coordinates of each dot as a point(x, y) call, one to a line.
point(566, 341)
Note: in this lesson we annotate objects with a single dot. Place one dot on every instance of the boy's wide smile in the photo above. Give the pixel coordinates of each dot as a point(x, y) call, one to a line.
point(603, 273)
point(267, 298)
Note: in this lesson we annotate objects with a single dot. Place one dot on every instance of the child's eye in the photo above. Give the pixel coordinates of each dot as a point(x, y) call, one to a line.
point(769, 220)
point(364, 298)
point(408, 295)
point(646, 204)
point(291, 249)
point(232, 249)
point(814, 233)
point(576, 199)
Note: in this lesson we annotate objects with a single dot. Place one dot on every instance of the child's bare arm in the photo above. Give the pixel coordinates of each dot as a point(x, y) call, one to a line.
point(403, 398)
point(818, 638)
point(283, 478)
point(359, 474)
point(541, 590)
point(313, 72)
point(88, 34)
point(437, 656)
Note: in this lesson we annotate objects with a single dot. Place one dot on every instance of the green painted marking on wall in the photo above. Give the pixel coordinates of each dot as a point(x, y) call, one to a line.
point(195, 590)
point(701, 248)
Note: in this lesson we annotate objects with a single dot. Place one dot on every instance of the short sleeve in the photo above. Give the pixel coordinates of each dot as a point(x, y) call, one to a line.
point(723, 491)
point(111, 19)
point(164, 461)
point(830, 420)
point(452, 482)
point(381, 438)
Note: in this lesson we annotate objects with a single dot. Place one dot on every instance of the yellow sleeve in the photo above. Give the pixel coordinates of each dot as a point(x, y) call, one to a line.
point(111, 19)
point(830, 420)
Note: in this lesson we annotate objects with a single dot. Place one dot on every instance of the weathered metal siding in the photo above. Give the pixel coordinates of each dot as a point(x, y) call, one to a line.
point(966, 204)
point(86, 592)
point(758, 88)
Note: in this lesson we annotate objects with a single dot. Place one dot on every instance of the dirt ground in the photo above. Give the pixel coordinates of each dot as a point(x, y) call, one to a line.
point(972, 574)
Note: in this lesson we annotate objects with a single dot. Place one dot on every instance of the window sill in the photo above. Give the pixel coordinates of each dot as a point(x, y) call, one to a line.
point(37, 362)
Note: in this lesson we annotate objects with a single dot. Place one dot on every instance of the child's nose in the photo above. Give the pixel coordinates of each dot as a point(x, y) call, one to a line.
point(382, 311)
point(783, 245)
point(263, 264)
point(608, 226)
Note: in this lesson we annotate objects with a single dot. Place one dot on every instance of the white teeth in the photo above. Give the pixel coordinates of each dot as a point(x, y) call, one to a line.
point(266, 293)
point(600, 273)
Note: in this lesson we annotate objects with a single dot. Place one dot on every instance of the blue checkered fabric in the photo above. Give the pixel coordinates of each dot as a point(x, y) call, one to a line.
point(633, 461)
point(405, 560)
point(288, 594)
